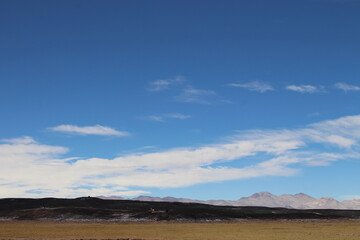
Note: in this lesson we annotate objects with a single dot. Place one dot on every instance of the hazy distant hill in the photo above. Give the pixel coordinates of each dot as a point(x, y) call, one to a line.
point(265, 199)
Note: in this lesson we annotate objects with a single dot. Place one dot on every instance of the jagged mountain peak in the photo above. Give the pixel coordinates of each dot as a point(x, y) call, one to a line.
point(261, 194)
point(302, 195)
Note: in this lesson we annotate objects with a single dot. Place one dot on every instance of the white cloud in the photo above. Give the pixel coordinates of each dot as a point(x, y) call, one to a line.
point(21, 140)
point(254, 86)
point(31, 169)
point(164, 117)
point(341, 141)
point(26, 146)
point(164, 84)
point(303, 88)
point(194, 95)
point(89, 130)
point(347, 87)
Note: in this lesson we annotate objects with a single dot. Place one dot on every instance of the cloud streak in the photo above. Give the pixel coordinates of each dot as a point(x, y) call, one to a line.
point(303, 88)
point(346, 87)
point(256, 86)
point(89, 130)
point(31, 169)
point(164, 117)
point(165, 84)
point(194, 95)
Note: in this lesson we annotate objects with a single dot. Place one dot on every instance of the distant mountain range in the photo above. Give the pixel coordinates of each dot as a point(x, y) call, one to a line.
point(263, 199)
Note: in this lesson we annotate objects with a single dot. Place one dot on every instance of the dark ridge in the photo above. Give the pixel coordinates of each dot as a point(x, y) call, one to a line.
point(88, 208)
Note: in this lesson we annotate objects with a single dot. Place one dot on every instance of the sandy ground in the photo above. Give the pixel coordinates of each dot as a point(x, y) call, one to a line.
point(247, 230)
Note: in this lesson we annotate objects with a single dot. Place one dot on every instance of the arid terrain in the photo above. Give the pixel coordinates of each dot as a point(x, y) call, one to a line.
point(249, 230)
point(93, 218)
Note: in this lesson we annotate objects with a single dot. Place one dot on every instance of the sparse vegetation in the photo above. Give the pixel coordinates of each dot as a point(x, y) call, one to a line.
point(253, 230)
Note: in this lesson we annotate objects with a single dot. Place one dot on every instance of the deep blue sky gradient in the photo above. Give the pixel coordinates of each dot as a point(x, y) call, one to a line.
point(90, 62)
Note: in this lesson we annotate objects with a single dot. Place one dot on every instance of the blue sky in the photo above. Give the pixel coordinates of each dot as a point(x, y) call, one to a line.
point(195, 99)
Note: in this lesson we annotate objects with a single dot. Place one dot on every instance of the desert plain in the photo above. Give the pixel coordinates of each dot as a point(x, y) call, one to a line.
point(247, 230)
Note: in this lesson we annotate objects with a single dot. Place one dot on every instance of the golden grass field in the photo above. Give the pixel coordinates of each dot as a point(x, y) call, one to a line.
point(252, 230)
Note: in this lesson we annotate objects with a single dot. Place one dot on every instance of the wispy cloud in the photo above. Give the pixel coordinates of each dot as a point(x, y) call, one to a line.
point(164, 84)
point(21, 140)
point(177, 116)
point(254, 86)
point(28, 166)
point(187, 94)
point(164, 117)
point(155, 118)
point(89, 130)
point(303, 88)
point(346, 87)
point(193, 95)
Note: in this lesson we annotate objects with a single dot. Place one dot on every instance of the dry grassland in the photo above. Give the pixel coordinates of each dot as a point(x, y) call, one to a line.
point(260, 230)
